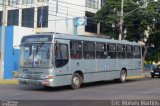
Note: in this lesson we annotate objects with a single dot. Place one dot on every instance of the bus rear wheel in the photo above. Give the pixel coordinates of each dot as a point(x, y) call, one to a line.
point(123, 76)
point(76, 81)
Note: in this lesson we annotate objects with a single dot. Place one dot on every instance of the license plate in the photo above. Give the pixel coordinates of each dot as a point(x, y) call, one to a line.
point(156, 73)
point(34, 82)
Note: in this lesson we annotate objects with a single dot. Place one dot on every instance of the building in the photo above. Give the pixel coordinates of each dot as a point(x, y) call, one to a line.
point(11, 52)
point(26, 17)
point(55, 16)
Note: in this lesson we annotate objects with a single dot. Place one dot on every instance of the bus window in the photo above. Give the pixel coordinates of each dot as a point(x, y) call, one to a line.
point(121, 51)
point(88, 50)
point(129, 52)
point(101, 52)
point(76, 49)
point(61, 54)
point(112, 51)
point(137, 52)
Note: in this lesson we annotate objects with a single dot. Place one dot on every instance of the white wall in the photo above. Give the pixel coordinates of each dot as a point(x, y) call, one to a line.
point(19, 32)
point(62, 21)
point(57, 21)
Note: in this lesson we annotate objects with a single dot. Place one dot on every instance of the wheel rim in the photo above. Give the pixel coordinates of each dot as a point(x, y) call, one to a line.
point(123, 76)
point(76, 81)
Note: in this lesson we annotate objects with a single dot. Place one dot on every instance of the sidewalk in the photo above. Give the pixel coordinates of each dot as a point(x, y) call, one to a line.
point(9, 81)
point(145, 74)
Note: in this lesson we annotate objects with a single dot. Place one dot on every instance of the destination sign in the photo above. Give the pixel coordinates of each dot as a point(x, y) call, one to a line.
point(37, 38)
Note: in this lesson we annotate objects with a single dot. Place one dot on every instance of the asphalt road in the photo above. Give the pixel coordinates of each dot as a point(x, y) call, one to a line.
point(139, 89)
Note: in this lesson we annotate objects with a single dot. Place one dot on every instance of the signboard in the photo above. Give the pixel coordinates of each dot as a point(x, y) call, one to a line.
point(37, 38)
point(80, 21)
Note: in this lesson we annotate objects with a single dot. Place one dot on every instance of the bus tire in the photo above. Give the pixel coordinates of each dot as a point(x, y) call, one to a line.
point(152, 75)
point(76, 81)
point(48, 87)
point(123, 75)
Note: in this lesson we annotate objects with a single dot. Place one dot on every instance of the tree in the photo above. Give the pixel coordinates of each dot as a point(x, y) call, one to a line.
point(154, 46)
point(136, 22)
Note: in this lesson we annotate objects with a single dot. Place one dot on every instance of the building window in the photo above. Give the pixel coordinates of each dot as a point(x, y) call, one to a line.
point(91, 24)
point(13, 17)
point(102, 3)
point(13, 2)
point(42, 18)
point(28, 17)
point(92, 4)
point(28, 1)
point(1, 12)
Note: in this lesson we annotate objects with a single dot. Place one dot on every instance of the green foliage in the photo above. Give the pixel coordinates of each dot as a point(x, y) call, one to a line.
point(153, 53)
point(137, 20)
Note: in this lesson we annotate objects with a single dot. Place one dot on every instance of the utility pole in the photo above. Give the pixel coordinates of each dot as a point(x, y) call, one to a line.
point(121, 21)
point(55, 25)
point(4, 22)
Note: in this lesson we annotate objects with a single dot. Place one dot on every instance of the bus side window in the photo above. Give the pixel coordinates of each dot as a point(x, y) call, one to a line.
point(121, 51)
point(101, 51)
point(61, 55)
point(137, 52)
point(75, 49)
point(111, 51)
point(129, 52)
point(88, 50)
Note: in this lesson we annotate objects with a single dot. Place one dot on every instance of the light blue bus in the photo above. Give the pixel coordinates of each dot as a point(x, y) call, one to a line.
point(54, 60)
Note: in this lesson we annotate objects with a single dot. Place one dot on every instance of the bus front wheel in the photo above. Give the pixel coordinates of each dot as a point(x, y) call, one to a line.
point(123, 76)
point(76, 81)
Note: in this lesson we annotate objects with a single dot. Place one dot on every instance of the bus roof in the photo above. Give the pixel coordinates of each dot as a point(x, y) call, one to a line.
point(92, 38)
point(76, 37)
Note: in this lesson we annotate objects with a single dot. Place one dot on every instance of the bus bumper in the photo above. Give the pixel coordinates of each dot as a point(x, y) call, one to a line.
point(46, 82)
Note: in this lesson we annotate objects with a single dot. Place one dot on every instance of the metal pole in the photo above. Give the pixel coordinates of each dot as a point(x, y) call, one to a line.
point(75, 30)
point(56, 15)
point(4, 22)
point(98, 28)
point(56, 6)
point(121, 21)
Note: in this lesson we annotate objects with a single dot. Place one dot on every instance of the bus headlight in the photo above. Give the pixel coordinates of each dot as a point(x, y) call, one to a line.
point(47, 77)
point(44, 77)
point(21, 76)
point(50, 77)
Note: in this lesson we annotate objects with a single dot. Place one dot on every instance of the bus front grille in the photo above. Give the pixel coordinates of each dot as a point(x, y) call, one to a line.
point(33, 76)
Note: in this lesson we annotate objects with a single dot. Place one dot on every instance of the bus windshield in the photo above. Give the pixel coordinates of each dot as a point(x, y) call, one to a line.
point(36, 55)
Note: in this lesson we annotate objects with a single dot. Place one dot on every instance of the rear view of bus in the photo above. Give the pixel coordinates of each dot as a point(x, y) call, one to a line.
point(36, 64)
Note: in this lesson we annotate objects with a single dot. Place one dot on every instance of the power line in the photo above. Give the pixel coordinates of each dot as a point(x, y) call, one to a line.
point(50, 11)
point(62, 13)
point(45, 5)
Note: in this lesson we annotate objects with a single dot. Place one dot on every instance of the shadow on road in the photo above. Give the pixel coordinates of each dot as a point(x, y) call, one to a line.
point(84, 86)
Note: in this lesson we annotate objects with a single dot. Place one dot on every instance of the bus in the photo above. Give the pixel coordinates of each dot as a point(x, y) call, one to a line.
point(53, 60)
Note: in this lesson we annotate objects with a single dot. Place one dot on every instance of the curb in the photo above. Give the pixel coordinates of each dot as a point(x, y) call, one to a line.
point(10, 81)
point(136, 77)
